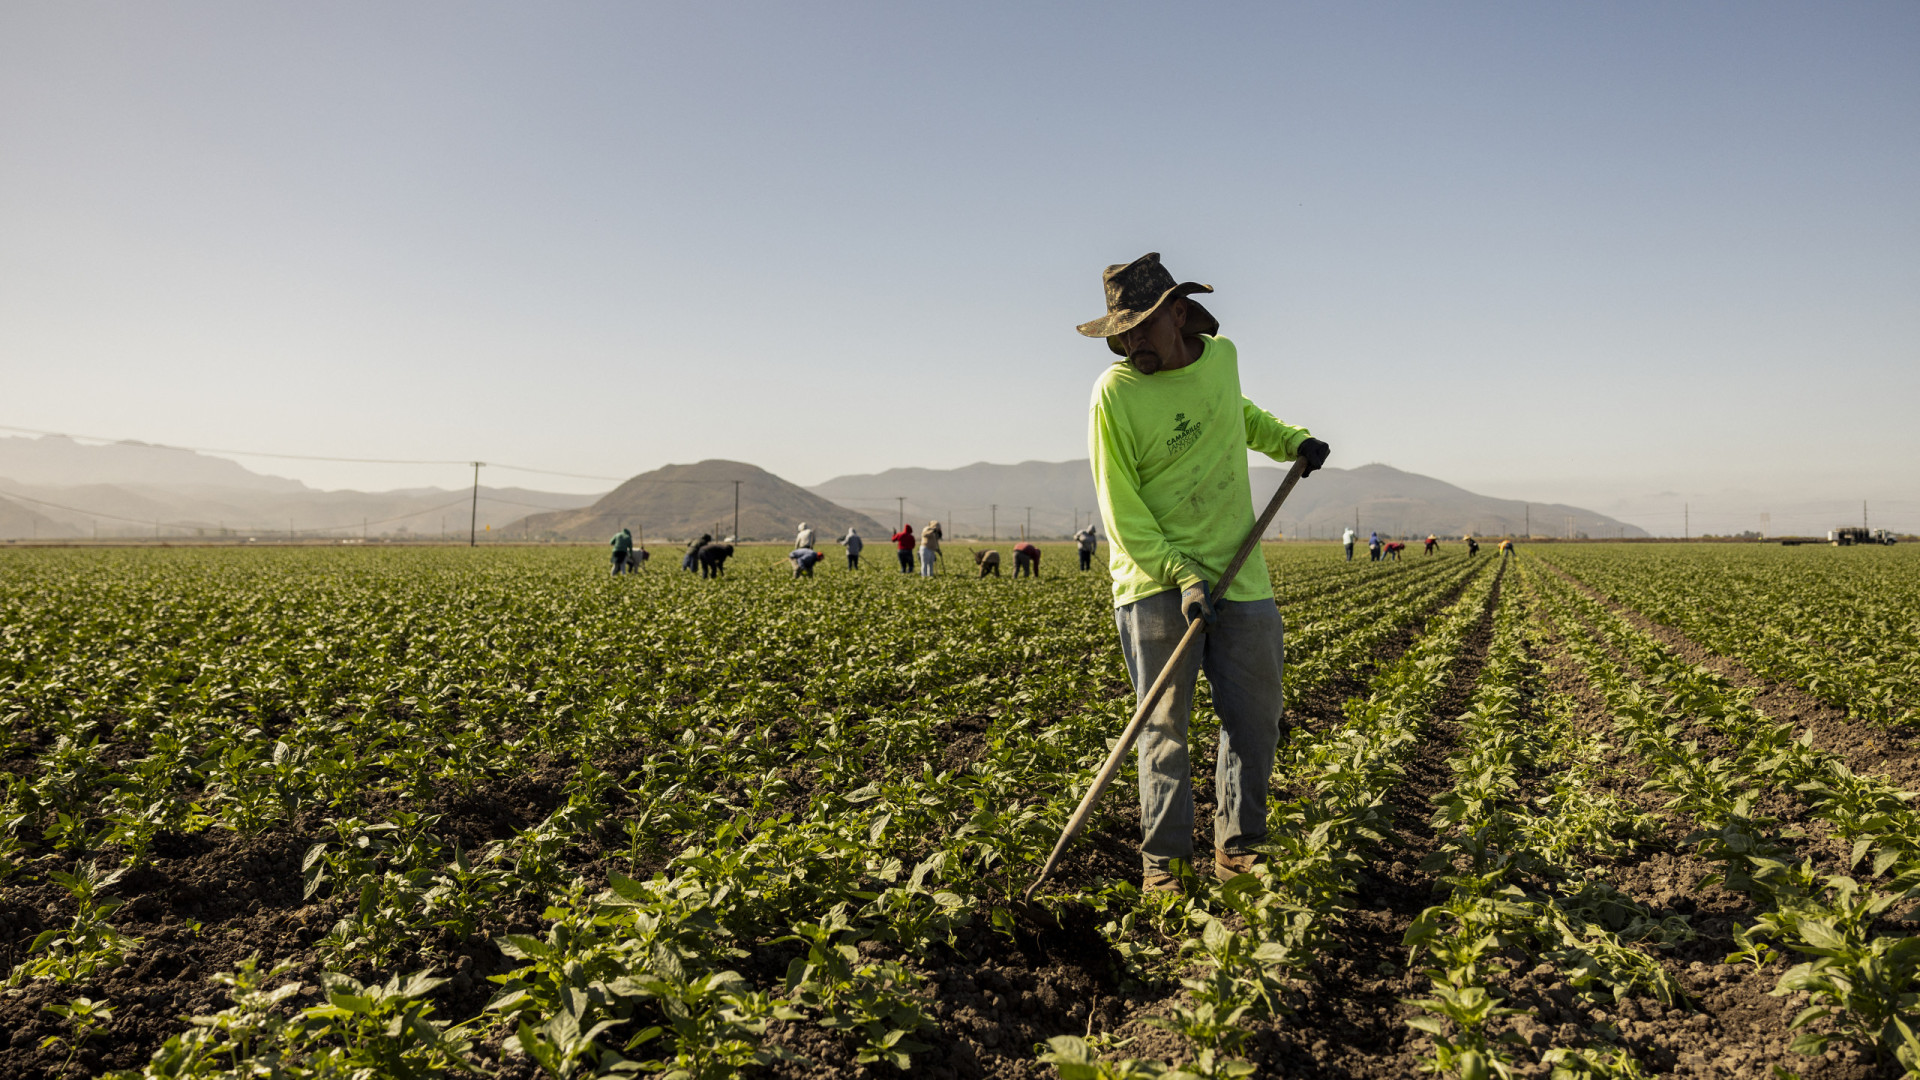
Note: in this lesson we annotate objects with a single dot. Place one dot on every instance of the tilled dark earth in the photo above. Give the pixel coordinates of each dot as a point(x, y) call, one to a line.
point(209, 901)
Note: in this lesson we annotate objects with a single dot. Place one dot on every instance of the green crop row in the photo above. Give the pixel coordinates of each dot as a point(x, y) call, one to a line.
point(1246, 940)
point(1861, 983)
point(1517, 876)
point(1843, 625)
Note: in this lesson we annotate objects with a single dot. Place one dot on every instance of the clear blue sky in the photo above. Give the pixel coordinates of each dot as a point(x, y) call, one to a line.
point(1626, 255)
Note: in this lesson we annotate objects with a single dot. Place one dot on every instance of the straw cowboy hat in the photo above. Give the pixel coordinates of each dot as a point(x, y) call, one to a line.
point(1135, 291)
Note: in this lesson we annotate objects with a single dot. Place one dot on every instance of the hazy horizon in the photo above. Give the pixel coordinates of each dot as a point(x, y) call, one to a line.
point(186, 472)
point(1625, 258)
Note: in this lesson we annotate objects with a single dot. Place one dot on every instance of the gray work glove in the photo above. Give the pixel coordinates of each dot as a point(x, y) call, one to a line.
point(1195, 604)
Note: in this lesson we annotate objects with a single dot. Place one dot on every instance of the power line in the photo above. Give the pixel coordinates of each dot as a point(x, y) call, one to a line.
point(522, 502)
point(550, 472)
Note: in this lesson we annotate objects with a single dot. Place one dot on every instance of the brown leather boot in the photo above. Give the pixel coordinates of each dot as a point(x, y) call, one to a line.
point(1227, 867)
point(1159, 881)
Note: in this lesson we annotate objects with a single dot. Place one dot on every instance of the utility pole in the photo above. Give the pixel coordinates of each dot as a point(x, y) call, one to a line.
point(1529, 521)
point(736, 509)
point(902, 500)
point(1863, 513)
point(994, 510)
point(1027, 529)
point(473, 519)
point(1686, 521)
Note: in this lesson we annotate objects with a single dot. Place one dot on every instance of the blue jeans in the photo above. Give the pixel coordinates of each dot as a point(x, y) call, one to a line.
point(1243, 655)
point(927, 556)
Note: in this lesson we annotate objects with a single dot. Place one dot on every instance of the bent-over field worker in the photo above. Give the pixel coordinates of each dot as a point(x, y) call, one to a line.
point(692, 559)
point(713, 559)
point(1168, 434)
point(988, 562)
point(1026, 560)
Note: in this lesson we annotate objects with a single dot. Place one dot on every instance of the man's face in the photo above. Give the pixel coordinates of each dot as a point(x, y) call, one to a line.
point(1157, 343)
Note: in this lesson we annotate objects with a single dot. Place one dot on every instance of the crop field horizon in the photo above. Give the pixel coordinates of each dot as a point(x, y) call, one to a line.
point(1587, 811)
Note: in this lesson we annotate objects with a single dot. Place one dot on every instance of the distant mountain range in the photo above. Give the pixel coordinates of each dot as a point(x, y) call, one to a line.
point(57, 461)
point(679, 502)
point(1401, 503)
point(52, 487)
point(1057, 497)
point(977, 500)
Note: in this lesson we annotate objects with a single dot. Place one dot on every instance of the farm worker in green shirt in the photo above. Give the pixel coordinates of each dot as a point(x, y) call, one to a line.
point(622, 547)
point(1168, 433)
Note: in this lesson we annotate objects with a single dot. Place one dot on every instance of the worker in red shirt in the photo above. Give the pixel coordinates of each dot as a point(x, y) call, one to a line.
point(903, 547)
point(1026, 560)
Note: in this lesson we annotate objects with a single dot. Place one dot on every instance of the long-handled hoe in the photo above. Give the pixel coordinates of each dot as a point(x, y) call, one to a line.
point(1152, 697)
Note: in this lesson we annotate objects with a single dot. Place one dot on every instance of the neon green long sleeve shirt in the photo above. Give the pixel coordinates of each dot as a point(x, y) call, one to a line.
point(1169, 454)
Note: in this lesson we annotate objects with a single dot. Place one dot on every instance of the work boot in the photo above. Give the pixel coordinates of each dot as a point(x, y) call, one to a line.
point(1227, 867)
point(1159, 881)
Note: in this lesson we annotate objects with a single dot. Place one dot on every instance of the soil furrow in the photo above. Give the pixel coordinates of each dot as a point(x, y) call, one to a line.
point(1893, 753)
point(1351, 1023)
point(998, 997)
point(1731, 1026)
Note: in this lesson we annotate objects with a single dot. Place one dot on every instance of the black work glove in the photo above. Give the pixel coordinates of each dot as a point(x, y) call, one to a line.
point(1314, 453)
point(1195, 604)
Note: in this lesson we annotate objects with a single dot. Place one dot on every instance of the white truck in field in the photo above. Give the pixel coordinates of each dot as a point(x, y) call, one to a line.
point(1851, 535)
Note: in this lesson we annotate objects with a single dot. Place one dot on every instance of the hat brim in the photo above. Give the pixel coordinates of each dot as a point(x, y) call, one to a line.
point(1199, 319)
point(1119, 322)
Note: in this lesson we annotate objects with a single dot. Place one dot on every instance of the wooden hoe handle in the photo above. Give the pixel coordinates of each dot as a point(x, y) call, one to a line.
point(1152, 697)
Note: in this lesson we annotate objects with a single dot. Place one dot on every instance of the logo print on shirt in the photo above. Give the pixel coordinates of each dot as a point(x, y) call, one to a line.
point(1185, 431)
